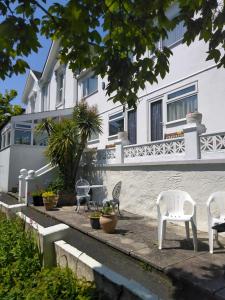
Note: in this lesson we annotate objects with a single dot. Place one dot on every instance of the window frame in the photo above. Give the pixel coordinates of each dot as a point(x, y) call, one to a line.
point(115, 119)
point(178, 98)
point(86, 79)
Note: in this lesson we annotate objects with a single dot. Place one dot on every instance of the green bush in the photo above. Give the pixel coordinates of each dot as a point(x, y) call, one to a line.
point(22, 276)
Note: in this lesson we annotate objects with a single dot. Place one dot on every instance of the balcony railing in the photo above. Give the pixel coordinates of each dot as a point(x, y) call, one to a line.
point(106, 156)
point(213, 145)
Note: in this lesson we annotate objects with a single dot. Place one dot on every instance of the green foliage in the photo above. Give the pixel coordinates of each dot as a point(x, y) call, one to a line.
point(105, 35)
point(8, 110)
point(20, 259)
point(37, 193)
point(60, 284)
point(68, 139)
point(95, 215)
point(56, 185)
point(22, 276)
point(107, 210)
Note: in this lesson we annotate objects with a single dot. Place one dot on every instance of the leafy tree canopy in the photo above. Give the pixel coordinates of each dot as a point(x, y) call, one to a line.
point(106, 34)
point(7, 109)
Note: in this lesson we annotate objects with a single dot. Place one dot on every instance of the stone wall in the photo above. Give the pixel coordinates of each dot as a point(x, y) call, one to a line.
point(141, 184)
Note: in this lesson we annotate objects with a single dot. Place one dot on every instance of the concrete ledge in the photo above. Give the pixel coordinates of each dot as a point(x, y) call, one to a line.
point(46, 236)
point(111, 283)
point(10, 210)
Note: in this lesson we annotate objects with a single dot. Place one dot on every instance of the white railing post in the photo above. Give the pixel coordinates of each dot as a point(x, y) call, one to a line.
point(22, 176)
point(122, 141)
point(192, 131)
point(28, 179)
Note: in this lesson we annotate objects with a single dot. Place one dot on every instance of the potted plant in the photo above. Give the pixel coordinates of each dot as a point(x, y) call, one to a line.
point(37, 198)
point(94, 219)
point(108, 219)
point(50, 200)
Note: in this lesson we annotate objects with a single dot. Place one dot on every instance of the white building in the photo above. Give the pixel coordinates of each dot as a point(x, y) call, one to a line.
point(160, 157)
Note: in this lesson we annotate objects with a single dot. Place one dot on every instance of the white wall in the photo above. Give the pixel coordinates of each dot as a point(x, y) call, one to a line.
point(24, 157)
point(4, 169)
point(141, 184)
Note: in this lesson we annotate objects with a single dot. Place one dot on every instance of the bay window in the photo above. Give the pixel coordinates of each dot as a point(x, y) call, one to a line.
point(175, 35)
point(89, 85)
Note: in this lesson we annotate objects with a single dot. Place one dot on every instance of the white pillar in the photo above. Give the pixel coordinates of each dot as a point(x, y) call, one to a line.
point(122, 141)
point(192, 140)
point(28, 179)
point(22, 176)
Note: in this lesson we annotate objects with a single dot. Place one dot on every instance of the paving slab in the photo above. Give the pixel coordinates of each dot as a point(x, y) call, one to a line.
point(137, 237)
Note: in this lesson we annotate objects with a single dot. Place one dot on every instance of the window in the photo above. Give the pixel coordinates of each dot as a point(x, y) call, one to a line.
point(116, 123)
point(181, 103)
point(60, 88)
point(94, 136)
point(132, 126)
point(23, 137)
point(44, 104)
point(89, 86)
point(174, 35)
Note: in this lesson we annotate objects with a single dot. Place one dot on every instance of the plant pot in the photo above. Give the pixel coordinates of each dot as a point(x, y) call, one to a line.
point(66, 198)
point(194, 117)
point(50, 202)
point(95, 224)
point(38, 201)
point(108, 223)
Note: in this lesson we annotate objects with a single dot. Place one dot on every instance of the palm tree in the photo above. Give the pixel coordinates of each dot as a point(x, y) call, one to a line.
point(68, 140)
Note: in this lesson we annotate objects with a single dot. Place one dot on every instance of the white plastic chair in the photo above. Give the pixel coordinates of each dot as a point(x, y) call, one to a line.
point(174, 203)
point(82, 189)
point(219, 199)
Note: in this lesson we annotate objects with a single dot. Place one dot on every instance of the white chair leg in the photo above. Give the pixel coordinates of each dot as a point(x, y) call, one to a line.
point(78, 205)
point(211, 240)
point(194, 232)
point(160, 233)
point(164, 230)
point(187, 230)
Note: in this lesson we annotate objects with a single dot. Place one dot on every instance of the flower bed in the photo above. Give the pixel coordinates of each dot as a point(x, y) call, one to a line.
point(22, 275)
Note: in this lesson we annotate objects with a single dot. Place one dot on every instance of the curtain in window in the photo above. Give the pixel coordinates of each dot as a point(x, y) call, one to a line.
point(156, 121)
point(132, 126)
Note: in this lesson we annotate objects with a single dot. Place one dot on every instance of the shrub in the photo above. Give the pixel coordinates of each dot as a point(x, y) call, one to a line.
point(22, 276)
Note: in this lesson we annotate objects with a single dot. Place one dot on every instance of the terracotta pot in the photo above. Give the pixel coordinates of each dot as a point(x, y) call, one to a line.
point(194, 117)
point(108, 223)
point(95, 224)
point(50, 202)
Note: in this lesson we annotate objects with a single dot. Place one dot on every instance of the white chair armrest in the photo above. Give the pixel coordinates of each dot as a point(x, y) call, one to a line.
point(159, 199)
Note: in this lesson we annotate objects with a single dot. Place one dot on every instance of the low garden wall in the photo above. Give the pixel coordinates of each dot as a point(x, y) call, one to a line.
point(142, 183)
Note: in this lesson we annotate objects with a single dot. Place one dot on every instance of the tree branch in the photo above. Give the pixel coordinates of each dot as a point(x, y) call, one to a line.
point(45, 11)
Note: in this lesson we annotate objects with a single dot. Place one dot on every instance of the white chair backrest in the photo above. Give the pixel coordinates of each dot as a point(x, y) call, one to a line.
point(219, 199)
point(174, 200)
point(82, 187)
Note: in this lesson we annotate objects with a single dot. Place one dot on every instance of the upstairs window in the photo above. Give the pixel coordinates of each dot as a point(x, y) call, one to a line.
point(181, 102)
point(44, 104)
point(60, 88)
point(116, 123)
point(174, 36)
point(94, 136)
point(89, 85)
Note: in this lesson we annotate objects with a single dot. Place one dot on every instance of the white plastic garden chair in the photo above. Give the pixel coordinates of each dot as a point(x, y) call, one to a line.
point(82, 192)
point(174, 201)
point(219, 199)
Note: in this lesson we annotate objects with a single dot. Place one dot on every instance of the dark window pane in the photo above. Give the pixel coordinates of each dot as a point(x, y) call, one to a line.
point(116, 126)
point(132, 126)
point(22, 137)
point(120, 114)
point(182, 92)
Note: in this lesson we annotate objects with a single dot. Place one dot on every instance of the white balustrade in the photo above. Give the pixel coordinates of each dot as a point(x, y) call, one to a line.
point(172, 149)
point(106, 156)
point(213, 145)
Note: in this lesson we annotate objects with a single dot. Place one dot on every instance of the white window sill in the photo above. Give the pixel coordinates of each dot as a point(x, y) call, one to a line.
point(58, 105)
point(85, 97)
point(175, 122)
point(93, 141)
point(113, 137)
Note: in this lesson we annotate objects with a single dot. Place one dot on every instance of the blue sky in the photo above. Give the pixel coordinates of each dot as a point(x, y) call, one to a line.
point(35, 60)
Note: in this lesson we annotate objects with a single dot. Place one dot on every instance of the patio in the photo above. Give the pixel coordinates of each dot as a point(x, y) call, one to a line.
point(137, 237)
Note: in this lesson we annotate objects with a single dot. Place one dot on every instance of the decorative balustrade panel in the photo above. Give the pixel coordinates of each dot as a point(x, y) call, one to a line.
point(106, 156)
point(213, 145)
point(164, 150)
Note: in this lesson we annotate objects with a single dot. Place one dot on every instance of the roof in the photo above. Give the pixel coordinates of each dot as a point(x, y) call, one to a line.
point(37, 74)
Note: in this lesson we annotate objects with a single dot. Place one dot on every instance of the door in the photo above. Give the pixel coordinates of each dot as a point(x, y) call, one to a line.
point(156, 121)
point(132, 126)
